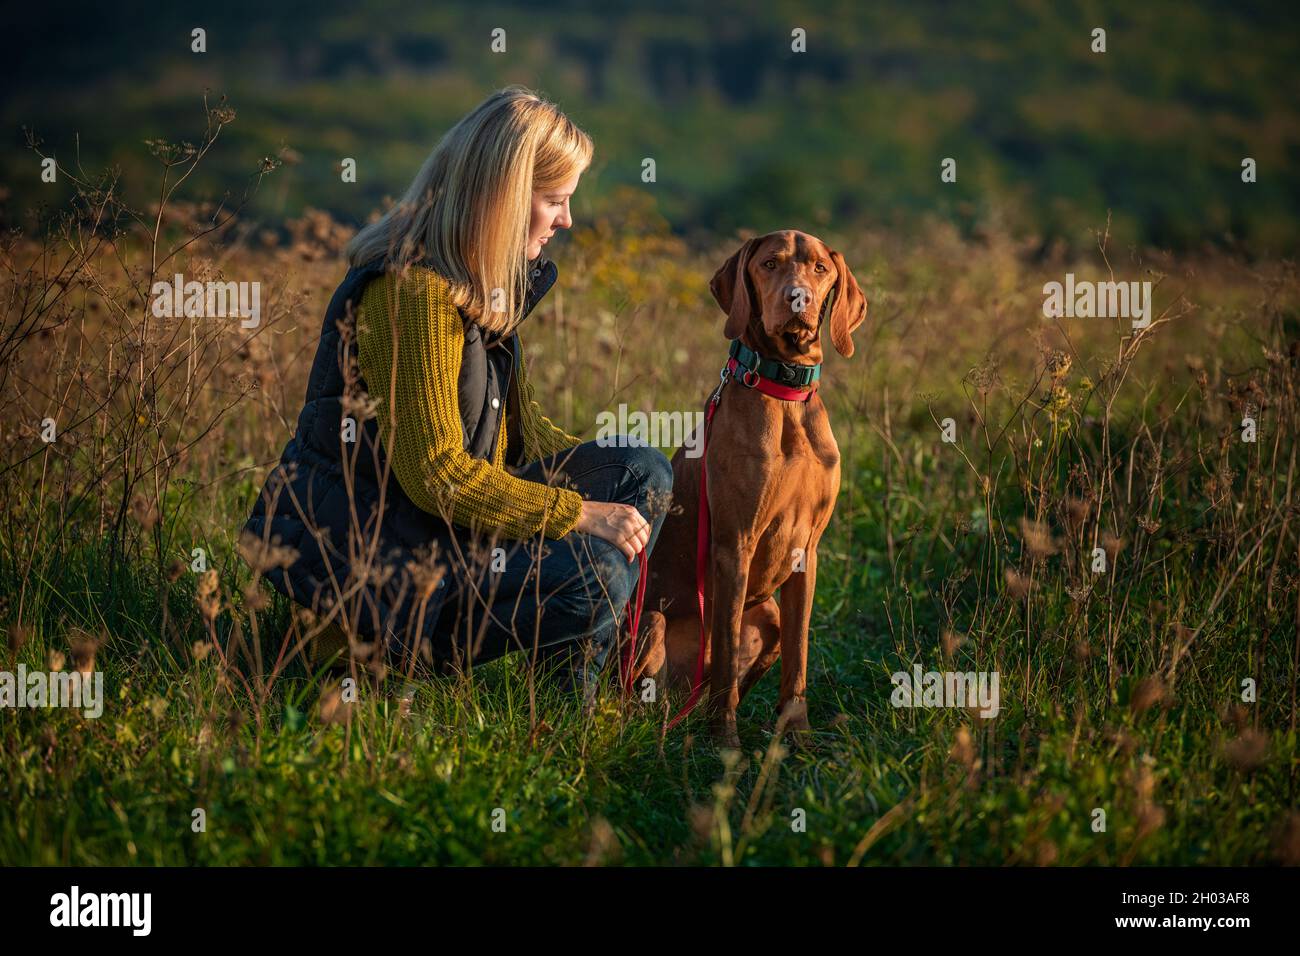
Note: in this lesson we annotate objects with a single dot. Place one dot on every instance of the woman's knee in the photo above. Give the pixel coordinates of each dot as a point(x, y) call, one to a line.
point(622, 471)
point(653, 467)
point(658, 488)
point(653, 475)
point(605, 580)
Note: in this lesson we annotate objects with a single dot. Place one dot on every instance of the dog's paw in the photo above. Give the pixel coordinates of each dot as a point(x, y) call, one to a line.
point(792, 721)
point(724, 732)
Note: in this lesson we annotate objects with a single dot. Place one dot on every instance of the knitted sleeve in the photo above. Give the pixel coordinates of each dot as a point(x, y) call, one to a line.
point(409, 341)
point(540, 435)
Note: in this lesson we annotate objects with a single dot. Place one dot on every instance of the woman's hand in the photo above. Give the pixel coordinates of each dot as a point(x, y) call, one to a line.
point(619, 524)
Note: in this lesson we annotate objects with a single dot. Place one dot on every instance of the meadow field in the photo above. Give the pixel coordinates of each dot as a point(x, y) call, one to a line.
point(1156, 697)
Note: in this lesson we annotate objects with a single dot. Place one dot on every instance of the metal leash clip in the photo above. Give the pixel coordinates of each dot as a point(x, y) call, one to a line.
point(717, 392)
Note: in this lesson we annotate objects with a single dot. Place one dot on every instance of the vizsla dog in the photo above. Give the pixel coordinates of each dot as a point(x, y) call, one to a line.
point(773, 473)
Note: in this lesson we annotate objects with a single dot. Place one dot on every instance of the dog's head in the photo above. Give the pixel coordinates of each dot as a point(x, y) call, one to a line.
point(780, 284)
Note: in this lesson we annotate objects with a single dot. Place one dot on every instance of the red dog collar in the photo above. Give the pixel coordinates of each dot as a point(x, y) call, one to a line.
point(751, 379)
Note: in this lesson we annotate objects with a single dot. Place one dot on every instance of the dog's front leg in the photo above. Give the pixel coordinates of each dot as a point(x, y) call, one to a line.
point(730, 567)
point(796, 611)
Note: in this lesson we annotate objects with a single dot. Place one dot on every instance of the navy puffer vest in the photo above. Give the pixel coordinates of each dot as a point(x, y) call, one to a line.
point(305, 500)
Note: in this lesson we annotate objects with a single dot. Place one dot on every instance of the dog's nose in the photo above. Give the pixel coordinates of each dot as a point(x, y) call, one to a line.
point(799, 298)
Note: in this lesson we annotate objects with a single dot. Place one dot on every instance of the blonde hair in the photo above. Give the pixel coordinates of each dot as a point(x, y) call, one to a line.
point(466, 215)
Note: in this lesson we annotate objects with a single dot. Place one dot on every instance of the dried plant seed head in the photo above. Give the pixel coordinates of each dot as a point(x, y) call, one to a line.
point(1248, 751)
point(144, 513)
point(207, 594)
point(1038, 538)
point(1080, 593)
point(1144, 782)
point(333, 709)
point(962, 751)
point(1124, 742)
point(264, 556)
point(83, 646)
point(1017, 585)
point(1058, 364)
point(254, 599)
point(19, 635)
point(1237, 716)
point(701, 820)
point(1150, 818)
point(1148, 692)
point(604, 842)
point(426, 576)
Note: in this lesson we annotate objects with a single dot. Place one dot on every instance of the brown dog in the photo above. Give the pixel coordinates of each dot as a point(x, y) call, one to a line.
point(773, 476)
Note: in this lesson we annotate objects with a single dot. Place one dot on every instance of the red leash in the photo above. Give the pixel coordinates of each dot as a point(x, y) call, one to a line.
point(702, 541)
point(633, 615)
point(768, 387)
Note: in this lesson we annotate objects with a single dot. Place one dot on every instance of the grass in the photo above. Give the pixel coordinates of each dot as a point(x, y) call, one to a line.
point(1121, 691)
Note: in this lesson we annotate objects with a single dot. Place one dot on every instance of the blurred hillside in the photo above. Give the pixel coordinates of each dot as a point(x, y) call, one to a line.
point(745, 134)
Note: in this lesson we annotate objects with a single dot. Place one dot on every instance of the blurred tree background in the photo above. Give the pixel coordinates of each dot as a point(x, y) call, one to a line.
point(1048, 135)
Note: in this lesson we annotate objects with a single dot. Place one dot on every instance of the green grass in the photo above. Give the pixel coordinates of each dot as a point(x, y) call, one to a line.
point(423, 788)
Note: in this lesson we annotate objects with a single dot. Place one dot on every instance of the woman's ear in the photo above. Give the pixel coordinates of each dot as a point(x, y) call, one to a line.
point(849, 309)
point(732, 290)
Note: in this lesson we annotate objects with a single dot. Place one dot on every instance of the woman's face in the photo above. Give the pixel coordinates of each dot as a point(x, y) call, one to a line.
point(550, 212)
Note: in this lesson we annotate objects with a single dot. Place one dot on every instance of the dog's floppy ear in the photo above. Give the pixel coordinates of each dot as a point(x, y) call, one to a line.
point(849, 308)
point(732, 289)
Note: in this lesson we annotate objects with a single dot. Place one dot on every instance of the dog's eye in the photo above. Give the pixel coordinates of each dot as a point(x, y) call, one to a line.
point(821, 267)
point(769, 264)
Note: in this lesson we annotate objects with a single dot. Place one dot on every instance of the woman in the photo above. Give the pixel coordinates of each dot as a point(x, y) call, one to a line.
point(420, 377)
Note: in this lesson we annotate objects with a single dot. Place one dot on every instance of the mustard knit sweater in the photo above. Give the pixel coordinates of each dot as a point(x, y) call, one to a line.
point(421, 434)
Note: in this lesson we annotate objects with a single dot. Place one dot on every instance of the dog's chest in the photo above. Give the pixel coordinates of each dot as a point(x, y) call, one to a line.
point(800, 485)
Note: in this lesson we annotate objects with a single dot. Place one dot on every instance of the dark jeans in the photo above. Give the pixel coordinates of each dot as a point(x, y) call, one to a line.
point(570, 603)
